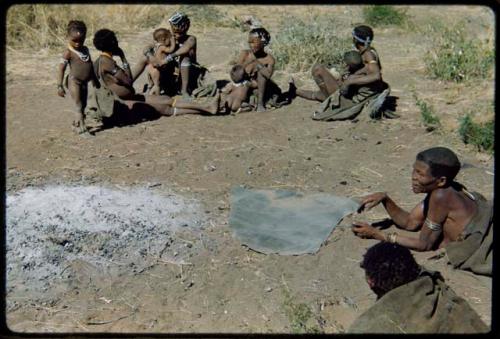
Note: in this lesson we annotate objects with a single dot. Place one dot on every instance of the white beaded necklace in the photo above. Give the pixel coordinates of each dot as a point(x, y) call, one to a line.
point(83, 56)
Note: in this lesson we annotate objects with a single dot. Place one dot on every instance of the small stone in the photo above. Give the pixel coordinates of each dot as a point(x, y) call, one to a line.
point(268, 289)
point(343, 182)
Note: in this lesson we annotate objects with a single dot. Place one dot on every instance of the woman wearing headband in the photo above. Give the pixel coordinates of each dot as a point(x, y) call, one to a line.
point(258, 64)
point(369, 75)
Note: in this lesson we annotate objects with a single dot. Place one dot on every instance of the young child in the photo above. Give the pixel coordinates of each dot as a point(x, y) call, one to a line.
point(164, 45)
point(237, 91)
point(441, 217)
point(77, 56)
point(258, 64)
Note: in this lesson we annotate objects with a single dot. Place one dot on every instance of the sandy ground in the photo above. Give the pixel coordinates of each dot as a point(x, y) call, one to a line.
point(214, 284)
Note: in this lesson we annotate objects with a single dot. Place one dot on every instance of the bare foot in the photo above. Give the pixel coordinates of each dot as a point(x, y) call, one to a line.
point(79, 127)
point(261, 108)
point(187, 97)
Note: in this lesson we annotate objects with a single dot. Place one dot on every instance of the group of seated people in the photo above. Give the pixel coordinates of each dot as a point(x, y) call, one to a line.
point(172, 67)
point(449, 217)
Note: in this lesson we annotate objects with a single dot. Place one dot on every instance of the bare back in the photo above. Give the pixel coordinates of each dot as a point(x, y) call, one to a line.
point(453, 210)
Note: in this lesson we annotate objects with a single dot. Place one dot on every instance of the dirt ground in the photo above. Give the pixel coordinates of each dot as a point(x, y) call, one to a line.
point(223, 286)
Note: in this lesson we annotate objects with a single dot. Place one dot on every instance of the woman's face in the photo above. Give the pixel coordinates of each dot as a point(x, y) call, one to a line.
point(255, 43)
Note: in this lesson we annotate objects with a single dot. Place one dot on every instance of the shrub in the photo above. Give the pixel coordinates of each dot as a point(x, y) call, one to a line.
point(298, 314)
point(480, 135)
point(429, 118)
point(455, 57)
point(298, 44)
point(379, 15)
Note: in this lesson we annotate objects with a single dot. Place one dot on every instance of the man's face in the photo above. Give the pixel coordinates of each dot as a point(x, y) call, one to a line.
point(76, 39)
point(421, 179)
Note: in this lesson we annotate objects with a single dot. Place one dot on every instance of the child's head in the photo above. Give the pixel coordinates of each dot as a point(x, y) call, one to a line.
point(105, 40)
point(258, 38)
point(433, 168)
point(353, 61)
point(237, 73)
point(388, 266)
point(162, 35)
point(362, 36)
point(179, 22)
point(76, 33)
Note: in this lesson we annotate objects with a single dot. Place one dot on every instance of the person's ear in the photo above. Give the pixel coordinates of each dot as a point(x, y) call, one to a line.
point(441, 182)
point(370, 282)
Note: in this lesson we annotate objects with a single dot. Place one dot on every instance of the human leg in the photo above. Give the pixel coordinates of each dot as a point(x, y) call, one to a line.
point(185, 70)
point(139, 67)
point(261, 90)
point(154, 73)
point(78, 92)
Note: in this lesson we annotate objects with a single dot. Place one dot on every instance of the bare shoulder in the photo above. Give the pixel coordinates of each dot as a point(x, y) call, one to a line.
point(66, 54)
point(442, 198)
point(191, 39)
point(370, 55)
point(106, 64)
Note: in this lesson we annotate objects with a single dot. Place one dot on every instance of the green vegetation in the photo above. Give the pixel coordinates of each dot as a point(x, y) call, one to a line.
point(480, 135)
point(429, 118)
point(380, 15)
point(300, 44)
point(298, 314)
point(456, 58)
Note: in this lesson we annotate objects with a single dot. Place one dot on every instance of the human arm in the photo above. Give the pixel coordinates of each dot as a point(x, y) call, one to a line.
point(189, 44)
point(114, 74)
point(410, 221)
point(268, 69)
point(125, 65)
point(61, 69)
point(425, 242)
point(368, 74)
point(171, 47)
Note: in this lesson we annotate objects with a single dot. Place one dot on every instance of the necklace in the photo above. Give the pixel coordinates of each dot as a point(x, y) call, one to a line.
point(83, 56)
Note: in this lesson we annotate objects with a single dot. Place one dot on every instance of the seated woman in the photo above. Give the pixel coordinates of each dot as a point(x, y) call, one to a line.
point(119, 81)
point(344, 98)
point(258, 64)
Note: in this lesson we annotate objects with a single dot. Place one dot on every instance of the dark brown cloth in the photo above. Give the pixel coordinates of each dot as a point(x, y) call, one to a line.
point(475, 252)
point(425, 305)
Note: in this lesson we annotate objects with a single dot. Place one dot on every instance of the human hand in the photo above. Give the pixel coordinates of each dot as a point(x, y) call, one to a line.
point(372, 200)
point(60, 91)
point(169, 58)
point(366, 231)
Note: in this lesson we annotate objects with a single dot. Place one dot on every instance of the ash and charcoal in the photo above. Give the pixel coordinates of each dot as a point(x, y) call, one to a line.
point(52, 230)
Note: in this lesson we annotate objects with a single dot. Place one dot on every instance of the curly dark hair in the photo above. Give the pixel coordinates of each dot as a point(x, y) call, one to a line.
point(105, 40)
point(388, 266)
point(237, 73)
point(363, 34)
point(161, 34)
point(442, 162)
point(78, 26)
point(262, 34)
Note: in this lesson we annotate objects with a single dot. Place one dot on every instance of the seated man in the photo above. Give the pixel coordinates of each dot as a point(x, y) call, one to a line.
point(449, 217)
point(411, 299)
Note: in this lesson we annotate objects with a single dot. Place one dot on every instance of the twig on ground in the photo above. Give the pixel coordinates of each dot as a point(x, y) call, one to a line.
point(108, 321)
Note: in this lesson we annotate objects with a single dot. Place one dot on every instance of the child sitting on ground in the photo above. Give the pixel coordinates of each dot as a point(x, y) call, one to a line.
point(258, 64)
point(237, 91)
point(81, 71)
point(164, 44)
